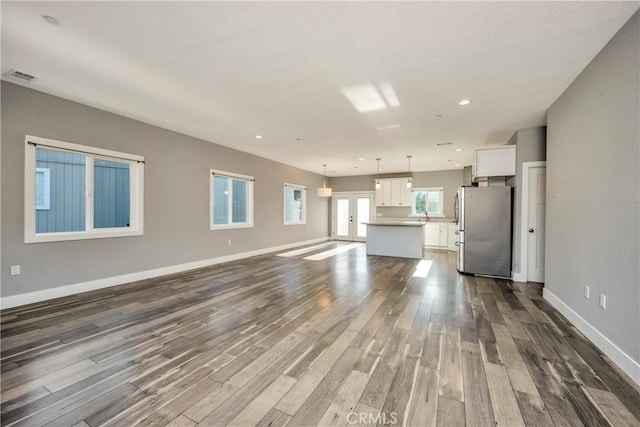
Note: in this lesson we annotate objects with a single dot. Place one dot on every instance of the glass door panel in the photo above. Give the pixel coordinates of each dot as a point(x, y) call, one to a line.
point(342, 218)
point(363, 212)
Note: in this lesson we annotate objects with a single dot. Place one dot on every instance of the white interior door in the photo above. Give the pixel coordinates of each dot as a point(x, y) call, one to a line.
point(536, 223)
point(350, 211)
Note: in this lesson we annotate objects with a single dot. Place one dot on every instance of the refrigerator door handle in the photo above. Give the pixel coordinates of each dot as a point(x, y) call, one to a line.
point(456, 207)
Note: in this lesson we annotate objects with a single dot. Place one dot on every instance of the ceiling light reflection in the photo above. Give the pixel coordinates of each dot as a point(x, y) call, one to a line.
point(389, 94)
point(367, 97)
point(364, 98)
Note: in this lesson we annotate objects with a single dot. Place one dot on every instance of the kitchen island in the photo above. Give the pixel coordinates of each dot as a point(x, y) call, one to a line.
point(403, 239)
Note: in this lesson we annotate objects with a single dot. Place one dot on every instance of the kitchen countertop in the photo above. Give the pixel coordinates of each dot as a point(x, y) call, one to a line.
point(413, 219)
point(397, 223)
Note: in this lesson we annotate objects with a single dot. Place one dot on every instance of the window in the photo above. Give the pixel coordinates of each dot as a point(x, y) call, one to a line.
point(231, 200)
point(427, 200)
point(295, 200)
point(77, 192)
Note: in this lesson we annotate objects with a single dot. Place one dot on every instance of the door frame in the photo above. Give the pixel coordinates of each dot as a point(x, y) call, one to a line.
point(372, 211)
point(524, 217)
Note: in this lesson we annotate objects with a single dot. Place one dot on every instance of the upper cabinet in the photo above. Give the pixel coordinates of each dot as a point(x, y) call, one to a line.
point(393, 192)
point(383, 194)
point(495, 161)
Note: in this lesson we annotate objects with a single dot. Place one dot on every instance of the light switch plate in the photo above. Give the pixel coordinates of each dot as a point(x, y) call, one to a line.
point(15, 270)
point(603, 301)
point(586, 291)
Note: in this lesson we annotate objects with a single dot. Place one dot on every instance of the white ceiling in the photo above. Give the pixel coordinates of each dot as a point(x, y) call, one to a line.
point(225, 72)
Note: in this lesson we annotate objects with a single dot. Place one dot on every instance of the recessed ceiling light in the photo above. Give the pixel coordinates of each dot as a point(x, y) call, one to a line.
point(458, 149)
point(51, 20)
point(448, 160)
point(258, 136)
point(298, 139)
point(465, 102)
point(438, 117)
point(457, 164)
point(360, 158)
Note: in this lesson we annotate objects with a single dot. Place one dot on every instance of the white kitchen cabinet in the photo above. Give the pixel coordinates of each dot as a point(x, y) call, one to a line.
point(495, 161)
point(436, 235)
point(383, 194)
point(405, 194)
point(444, 235)
point(453, 236)
point(393, 192)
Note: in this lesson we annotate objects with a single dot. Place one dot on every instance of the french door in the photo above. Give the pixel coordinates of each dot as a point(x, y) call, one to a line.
point(350, 211)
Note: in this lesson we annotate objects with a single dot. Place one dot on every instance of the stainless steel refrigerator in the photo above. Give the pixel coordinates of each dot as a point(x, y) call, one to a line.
point(483, 217)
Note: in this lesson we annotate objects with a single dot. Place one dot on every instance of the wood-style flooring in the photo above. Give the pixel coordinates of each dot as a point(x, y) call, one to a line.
point(342, 340)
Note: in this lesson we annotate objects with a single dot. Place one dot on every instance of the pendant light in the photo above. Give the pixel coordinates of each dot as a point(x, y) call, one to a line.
point(377, 180)
point(324, 191)
point(409, 167)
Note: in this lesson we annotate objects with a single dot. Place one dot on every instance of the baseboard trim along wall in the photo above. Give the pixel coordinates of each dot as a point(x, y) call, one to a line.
point(613, 352)
point(63, 291)
point(518, 277)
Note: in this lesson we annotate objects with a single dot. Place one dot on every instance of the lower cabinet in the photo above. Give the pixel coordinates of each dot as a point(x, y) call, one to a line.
point(436, 235)
point(453, 237)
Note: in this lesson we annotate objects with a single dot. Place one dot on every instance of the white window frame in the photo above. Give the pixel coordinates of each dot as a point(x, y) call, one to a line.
point(136, 183)
point(46, 189)
point(284, 204)
point(439, 214)
point(250, 180)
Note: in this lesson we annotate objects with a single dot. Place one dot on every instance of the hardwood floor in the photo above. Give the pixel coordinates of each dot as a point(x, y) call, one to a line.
point(274, 341)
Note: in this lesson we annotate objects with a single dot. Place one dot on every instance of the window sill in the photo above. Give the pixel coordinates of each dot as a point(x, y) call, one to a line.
point(430, 216)
point(81, 235)
point(229, 226)
point(295, 223)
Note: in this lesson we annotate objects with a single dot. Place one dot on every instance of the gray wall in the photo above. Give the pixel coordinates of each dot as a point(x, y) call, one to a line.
point(176, 205)
point(531, 146)
point(450, 180)
point(593, 191)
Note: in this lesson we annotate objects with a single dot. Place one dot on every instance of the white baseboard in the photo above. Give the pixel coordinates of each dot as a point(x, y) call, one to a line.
point(63, 291)
point(613, 352)
point(518, 277)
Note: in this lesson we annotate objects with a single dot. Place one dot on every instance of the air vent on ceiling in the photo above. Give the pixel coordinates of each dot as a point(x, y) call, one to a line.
point(440, 144)
point(19, 75)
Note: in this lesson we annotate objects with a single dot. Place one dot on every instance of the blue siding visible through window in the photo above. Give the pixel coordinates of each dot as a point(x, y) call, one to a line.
point(220, 200)
point(293, 204)
point(67, 191)
point(111, 194)
point(288, 202)
point(239, 214)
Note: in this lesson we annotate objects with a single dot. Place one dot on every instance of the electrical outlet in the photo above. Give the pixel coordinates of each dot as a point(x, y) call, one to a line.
point(229, 242)
point(586, 291)
point(15, 270)
point(603, 301)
